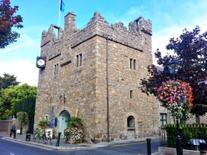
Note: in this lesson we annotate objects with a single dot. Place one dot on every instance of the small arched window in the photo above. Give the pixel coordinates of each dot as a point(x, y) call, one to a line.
point(131, 122)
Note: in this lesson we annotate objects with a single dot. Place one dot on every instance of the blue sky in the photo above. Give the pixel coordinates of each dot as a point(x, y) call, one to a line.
point(169, 18)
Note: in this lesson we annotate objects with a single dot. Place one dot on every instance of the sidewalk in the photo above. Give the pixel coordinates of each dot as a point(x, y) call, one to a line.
point(67, 147)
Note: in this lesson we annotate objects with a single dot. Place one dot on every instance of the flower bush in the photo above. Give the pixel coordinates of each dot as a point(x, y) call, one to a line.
point(75, 131)
point(176, 96)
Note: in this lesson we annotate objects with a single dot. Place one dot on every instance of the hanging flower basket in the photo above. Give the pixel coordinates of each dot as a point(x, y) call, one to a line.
point(176, 96)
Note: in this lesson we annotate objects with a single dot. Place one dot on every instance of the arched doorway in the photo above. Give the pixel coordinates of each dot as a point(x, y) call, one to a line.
point(63, 121)
point(130, 127)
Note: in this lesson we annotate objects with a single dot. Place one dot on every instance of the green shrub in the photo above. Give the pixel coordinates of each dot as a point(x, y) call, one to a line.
point(75, 131)
point(75, 122)
point(22, 117)
point(189, 131)
point(44, 124)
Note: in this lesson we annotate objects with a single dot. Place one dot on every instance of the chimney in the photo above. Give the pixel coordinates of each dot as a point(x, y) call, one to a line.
point(70, 23)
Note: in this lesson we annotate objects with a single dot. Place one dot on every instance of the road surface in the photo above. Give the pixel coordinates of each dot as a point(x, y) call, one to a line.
point(133, 148)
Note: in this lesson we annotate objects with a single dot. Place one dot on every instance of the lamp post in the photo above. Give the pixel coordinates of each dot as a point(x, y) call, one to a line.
point(170, 69)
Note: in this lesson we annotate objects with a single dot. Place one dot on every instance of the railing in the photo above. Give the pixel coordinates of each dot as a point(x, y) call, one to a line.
point(42, 136)
point(163, 135)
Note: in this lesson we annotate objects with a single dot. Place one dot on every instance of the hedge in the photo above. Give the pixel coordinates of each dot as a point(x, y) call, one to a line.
point(188, 131)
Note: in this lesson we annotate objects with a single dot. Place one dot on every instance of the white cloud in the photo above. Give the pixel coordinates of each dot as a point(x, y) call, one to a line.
point(161, 35)
point(23, 42)
point(130, 15)
point(25, 71)
point(19, 58)
point(161, 38)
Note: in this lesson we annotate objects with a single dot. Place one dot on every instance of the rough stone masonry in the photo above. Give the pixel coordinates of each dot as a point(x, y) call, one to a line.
point(94, 73)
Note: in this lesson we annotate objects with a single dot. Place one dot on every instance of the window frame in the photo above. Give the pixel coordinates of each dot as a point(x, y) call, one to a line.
point(131, 122)
point(131, 94)
point(132, 64)
point(56, 71)
point(79, 60)
point(163, 118)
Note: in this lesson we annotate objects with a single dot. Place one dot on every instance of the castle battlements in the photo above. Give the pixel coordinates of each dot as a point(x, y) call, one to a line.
point(132, 36)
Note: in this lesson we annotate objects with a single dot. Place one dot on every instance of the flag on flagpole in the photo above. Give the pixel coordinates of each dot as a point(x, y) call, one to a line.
point(62, 6)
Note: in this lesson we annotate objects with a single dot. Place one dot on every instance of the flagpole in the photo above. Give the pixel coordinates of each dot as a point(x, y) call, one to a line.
point(59, 12)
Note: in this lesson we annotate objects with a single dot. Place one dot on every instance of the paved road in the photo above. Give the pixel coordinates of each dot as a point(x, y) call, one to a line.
point(11, 148)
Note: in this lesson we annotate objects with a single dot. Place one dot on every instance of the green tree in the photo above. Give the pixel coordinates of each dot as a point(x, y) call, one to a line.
point(8, 19)
point(189, 50)
point(22, 118)
point(8, 95)
point(7, 80)
point(18, 98)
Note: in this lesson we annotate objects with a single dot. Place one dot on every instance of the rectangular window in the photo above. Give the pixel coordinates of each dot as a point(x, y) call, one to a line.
point(56, 70)
point(131, 94)
point(132, 63)
point(79, 60)
point(163, 119)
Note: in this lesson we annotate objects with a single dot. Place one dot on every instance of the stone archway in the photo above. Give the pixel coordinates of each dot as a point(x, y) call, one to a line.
point(131, 132)
point(63, 121)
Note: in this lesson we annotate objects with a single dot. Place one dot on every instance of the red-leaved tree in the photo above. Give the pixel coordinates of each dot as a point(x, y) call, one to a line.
point(8, 20)
point(189, 51)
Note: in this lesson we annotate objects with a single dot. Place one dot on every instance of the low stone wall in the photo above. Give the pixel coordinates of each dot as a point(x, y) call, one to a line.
point(172, 151)
point(5, 125)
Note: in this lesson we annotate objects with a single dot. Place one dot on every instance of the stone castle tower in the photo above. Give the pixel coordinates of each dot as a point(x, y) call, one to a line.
point(94, 73)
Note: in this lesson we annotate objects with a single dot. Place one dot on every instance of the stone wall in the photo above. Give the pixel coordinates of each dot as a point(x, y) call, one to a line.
point(104, 78)
point(122, 79)
point(5, 126)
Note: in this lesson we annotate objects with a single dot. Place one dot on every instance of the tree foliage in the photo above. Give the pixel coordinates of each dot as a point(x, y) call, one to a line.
point(17, 98)
point(8, 20)
point(189, 50)
point(22, 117)
point(7, 80)
point(75, 122)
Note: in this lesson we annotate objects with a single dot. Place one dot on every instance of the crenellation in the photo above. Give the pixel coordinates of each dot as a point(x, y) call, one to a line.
point(116, 32)
point(99, 26)
point(97, 18)
point(51, 35)
point(140, 25)
point(119, 27)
